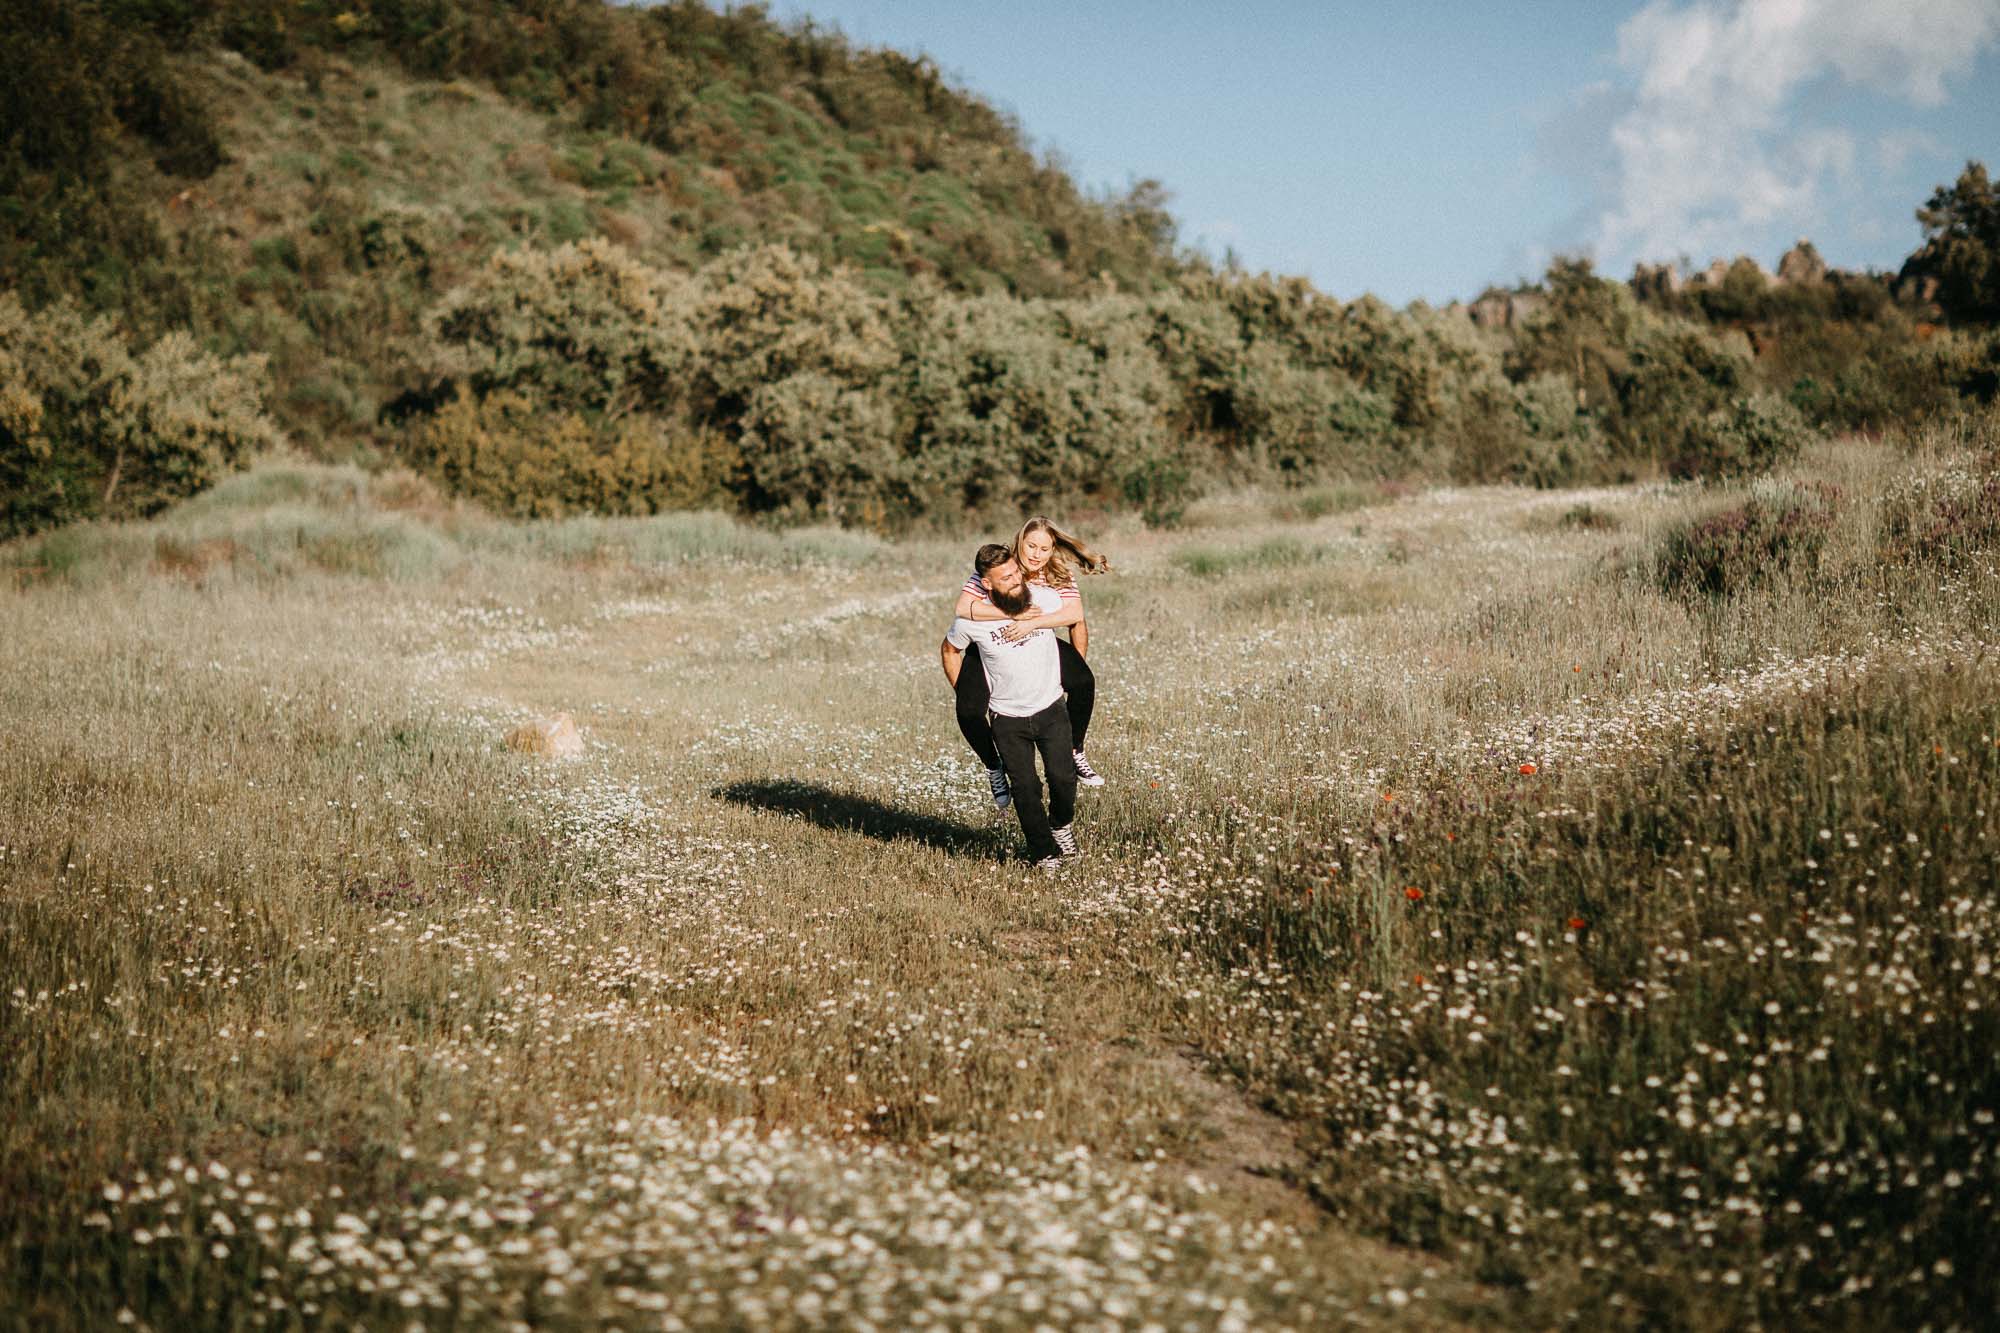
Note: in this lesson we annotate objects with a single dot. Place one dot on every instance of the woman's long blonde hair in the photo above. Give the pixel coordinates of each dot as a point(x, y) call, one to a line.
point(1071, 556)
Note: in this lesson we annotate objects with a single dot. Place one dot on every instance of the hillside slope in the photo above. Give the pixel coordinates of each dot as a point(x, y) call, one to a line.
point(743, 129)
point(303, 180)
point(813, 281)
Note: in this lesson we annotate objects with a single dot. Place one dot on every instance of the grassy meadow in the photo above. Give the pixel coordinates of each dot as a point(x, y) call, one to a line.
point(1506, 908)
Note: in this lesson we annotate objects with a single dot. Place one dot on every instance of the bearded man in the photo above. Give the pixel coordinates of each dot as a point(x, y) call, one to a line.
point(1027, 705)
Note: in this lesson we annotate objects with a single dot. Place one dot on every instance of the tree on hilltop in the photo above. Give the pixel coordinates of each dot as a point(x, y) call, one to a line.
point(1961, 249)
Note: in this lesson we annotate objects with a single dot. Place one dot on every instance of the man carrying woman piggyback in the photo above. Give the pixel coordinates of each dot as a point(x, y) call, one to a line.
point(1049, 559)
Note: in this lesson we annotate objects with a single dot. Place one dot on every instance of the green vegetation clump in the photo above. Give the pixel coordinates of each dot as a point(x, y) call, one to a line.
point(1747, 436)
point(91, 427)
point(1667, 393)
point(1961, 249)
point(519, 459)
point(835, 402)
point(1161, 490)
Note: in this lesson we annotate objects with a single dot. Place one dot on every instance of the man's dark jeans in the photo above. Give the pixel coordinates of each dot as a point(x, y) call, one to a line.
point(1018, 738)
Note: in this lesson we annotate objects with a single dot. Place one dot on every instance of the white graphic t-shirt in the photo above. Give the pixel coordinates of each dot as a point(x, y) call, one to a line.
point(1024, 677)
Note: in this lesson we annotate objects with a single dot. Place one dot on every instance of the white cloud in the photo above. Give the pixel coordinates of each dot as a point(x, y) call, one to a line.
point(1898, 147)
point(1708, 149)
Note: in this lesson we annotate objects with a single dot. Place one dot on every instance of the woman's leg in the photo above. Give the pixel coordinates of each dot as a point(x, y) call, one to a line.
point(972, 694)
point(1080, 683)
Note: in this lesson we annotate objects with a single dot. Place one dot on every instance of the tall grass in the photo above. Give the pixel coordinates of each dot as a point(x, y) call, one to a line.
point(1697, 1039)
point(286, 519)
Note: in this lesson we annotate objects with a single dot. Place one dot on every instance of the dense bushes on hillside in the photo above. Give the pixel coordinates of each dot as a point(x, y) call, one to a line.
point(834, 401)
point(1668, 393)
point(89, 426)
point(88, 95)
point(1864, 351)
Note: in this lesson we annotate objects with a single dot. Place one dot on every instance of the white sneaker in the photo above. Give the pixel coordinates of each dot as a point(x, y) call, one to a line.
point(1066, 841)
point(1003, 795)
point(1085, 774)
point(1049, 865)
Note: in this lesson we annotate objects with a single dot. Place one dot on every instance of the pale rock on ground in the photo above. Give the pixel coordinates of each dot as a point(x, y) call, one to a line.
point(555, 737)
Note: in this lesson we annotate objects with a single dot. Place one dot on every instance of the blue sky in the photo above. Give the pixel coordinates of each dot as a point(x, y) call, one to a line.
point(1426, 149)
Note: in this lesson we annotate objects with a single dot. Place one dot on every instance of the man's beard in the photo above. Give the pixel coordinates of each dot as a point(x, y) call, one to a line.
point(1013, 603)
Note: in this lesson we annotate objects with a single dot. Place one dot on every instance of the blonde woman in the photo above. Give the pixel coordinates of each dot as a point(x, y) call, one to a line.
point(1052, 558)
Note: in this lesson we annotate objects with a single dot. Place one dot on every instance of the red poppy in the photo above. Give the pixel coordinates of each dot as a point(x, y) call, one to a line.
point(1576, 923)
point(1529, 769)
point(1420, 978)
point(1413, 893)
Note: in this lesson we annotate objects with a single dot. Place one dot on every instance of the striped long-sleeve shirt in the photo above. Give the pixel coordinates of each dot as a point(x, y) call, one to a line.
point(977, 587)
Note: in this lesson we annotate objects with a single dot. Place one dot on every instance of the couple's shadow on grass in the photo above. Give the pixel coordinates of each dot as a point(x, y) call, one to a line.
point(849, 812)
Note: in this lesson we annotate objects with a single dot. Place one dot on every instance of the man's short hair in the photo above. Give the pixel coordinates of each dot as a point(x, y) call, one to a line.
point(990, 555)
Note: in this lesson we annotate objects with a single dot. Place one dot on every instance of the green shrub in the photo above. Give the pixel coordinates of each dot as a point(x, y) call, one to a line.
point(792, 360)
point(1161, 490)
point(1585, 330)
point(582, 328)
point(1302, 422)
point(1664, 391)
point(88, 427)
point(1874, 376)
point(1588, 517)
point(90, 97)
point(1752, 434)
point(1012, 404)
point(509, 453)
point(1532, 433)
point(813, 446)
point(1274, 553)
point(762, 314)
point(1775, 532)
point(1559, 444)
